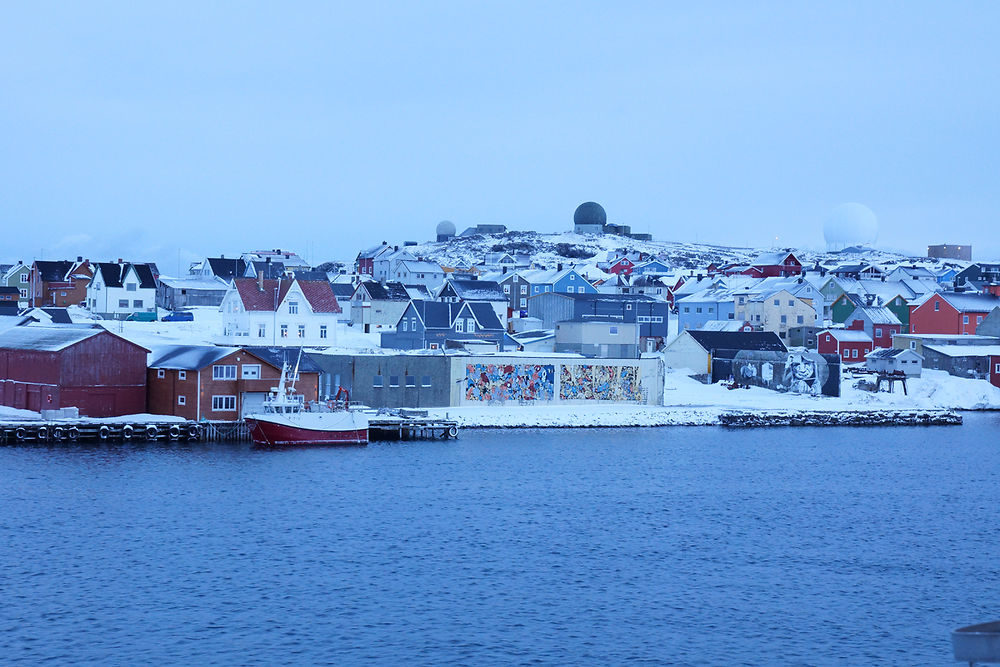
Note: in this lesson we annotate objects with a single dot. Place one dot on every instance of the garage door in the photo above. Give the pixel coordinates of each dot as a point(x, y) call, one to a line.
point(253, 401)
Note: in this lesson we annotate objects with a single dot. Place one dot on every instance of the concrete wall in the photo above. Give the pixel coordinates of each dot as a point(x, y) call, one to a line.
point(427, 375)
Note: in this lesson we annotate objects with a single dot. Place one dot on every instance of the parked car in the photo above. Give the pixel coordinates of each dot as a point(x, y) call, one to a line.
point(178, 316)
point(141, 317)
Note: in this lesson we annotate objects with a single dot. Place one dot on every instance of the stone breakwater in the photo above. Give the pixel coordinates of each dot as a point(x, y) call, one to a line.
point(739, 419)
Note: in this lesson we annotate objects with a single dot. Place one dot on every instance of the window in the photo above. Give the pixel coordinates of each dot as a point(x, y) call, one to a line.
point(854, 353)
point(711, 309)
point(995, 370)
point(182, 400)
point(406, 324)
point(643, 319)
point(24, 277)
point(524, 289)
point(698, 309)
point(182, 375)
point(470, 325)
point(913, 344)
point(878, 333)
point(460, 325)
point(322, 331)
point(828, 338)
point(293, 307)
point(302, 331)
point(129, 287)
point(937, 305)
point(777, 302)
point(377, 382)
point(251, 371)
point(899, 301)
point(284, 331)
point(224, 372)
point(137, 303)
point(628, 306)
point(223, 403)
point(572, 277)
point(687, 309)
point(123, 303)
point(425, 380)
point(261, 330)
point(800, 319)
point(413, 324)
point(524, 303)
point(570, 289)
point(160, 373)
point(613, 331)
point(965, 319)
point(410, 381)
point(979, 319)
point(784, 319)
point(24, 293)
point(393, 380)
point(506, 289)
point(536, 289)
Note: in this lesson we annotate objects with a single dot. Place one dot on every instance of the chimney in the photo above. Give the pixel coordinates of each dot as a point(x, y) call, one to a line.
point(395, 247)
point(79, 258)
point(559, 266)
point(260, 280)
point(119, 260)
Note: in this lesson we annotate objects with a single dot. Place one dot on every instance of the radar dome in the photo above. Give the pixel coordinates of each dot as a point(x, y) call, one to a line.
point(850, 225)
point(590, 213)
point(446, 228)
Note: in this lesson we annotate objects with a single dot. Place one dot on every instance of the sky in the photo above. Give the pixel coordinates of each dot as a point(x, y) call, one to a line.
point(174, 131)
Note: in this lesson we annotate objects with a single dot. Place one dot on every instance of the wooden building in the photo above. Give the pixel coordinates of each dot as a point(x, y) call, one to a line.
point(43, 368)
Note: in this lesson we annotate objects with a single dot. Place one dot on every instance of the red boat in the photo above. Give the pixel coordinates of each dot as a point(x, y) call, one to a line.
point(286, 419)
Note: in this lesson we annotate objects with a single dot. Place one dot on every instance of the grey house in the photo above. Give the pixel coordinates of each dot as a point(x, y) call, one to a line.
point(174, 293)
point(650, 314)
point(429, 325)
point(387, 381)
point(600, 336)
point(894, 360)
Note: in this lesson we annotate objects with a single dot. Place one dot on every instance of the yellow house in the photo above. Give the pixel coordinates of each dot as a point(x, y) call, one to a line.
point(779, 312)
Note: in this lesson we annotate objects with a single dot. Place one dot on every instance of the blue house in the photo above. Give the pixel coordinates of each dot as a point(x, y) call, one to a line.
point(694, 310)
point(563, 281)
point(653, 267)
point(429, 325)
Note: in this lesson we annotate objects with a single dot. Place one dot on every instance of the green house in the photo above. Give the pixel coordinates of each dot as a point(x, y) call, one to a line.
point(19, 276)
point(843, 307)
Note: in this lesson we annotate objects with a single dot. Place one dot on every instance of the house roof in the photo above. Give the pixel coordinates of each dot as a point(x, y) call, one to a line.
point(435, 314)
point(772, 259)
point(890, 353)
point(272, 270)
point(49, 339)
point(320, 296)
point(877, 315)
point(525, 337)
point(485, 316)
point(847, 335)
point(738, 340)
point(227, 269)
point(962, 302)
point(391, 291)
point(965, 350)
point(418, 291)
point(417, 266)
point(342, 290)
point(187, 357)
point(257, 297)
point(722, 325)
point(477, 290)
point(276, 356)
point(195, 283)
point(369, 253)
point(9, 289)
point(53, 271)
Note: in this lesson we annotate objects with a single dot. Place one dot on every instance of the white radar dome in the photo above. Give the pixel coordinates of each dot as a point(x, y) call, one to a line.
point(850, 225)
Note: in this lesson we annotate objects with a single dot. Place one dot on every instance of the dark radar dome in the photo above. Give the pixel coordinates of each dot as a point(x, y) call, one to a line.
point(589, 218)
point(589, 214)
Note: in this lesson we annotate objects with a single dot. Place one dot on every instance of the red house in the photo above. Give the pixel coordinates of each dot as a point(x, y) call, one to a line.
point(61, 283)
point(950, 313)
point(364, 264)
point(769, 266)
point(995, 370)
point(219, 383)
point(621, 266)
point(44, 368)
point(880, 323)
point(852, 345)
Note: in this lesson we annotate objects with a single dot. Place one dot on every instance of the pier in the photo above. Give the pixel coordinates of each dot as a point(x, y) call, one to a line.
point(71, 431)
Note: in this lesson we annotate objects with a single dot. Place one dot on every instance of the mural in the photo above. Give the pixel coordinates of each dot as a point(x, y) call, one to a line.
point(600, 383)
point(797, 372)
point(509, 382)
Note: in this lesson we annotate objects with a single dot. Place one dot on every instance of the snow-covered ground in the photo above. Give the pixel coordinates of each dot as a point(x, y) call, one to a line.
point(15, 415)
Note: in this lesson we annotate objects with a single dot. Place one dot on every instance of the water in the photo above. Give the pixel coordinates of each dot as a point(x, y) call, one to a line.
point(665, 546)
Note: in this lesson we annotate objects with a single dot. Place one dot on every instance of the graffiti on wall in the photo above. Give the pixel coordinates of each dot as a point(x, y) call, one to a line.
point(796, 372)
point(509, 382)
point(600, 383)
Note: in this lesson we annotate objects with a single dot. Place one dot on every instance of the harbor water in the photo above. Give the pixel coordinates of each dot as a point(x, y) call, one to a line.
point(700, 546)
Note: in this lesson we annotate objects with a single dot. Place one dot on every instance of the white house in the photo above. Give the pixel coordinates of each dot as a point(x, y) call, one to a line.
point(119, 289)
point(415, 272)
point(280, 312)
point(385, 263)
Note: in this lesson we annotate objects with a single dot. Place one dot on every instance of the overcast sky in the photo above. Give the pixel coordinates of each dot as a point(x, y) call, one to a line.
point(171, 131)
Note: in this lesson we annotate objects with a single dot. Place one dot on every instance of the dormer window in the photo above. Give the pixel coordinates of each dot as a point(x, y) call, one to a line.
point(293, 307)
point(130, 287)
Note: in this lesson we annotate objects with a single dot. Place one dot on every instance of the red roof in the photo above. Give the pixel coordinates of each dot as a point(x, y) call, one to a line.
point(320, 296)
point(255, 298)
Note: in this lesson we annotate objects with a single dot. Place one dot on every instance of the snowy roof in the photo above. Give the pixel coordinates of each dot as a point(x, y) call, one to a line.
point(391, 291)
point(416, 266)
point(532, 336)
point(877, 315)
point(477, 290)
point(738, 340)
point(47, 339)
point(965, 350)
point(962, 302)
point(53, 271)
point(890, 353)
point(195, 283)
point(847, 335)
point(417, 291)
point(722, 325)
point(186, 357)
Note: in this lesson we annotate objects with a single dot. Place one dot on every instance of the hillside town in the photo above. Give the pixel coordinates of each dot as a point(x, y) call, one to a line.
point(595, 316)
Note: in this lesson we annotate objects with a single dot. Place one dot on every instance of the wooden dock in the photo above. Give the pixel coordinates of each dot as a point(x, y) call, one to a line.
point(70, 431)
point(411, 428)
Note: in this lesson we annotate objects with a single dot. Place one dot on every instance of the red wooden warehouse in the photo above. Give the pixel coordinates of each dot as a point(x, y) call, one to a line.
point(44, 368)
point(851, 345)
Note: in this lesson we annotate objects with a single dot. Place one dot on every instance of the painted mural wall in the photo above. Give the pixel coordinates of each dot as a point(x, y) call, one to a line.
point(796, 372)
point(600, 383)
point(509, 382)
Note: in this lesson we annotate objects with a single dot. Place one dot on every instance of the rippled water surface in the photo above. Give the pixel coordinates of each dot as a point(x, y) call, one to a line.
point(676, 545)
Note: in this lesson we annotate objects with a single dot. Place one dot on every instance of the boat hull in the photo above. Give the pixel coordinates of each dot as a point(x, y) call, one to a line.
point(278, 430)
